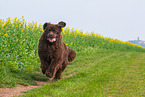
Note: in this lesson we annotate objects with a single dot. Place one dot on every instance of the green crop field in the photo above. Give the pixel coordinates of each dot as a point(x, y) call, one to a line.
point(104, 67)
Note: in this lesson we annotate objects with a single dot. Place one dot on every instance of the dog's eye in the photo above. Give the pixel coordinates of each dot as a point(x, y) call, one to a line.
point(57, 32)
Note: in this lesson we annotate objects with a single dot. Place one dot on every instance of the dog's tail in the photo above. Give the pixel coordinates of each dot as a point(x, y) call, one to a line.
point(72, 55)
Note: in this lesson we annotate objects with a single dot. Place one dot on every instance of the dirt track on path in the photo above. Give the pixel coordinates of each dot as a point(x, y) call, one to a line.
point(17, 91)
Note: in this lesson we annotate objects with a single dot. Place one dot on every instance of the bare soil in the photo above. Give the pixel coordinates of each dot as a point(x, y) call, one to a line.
point(17, 91)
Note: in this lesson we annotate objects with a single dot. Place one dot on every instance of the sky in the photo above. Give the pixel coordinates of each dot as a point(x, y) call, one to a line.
point(118, 19)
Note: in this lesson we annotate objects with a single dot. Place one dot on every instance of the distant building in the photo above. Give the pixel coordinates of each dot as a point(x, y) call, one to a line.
point(138, 38)
point(138, 42)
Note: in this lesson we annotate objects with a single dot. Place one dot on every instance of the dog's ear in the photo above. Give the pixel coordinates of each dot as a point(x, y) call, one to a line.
point(61, 24)
point(44, 26)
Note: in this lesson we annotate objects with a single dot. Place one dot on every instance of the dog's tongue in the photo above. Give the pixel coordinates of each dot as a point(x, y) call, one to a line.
point(52, 39)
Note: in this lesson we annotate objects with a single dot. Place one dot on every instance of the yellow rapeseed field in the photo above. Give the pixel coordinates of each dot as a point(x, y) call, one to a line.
point(19, 41)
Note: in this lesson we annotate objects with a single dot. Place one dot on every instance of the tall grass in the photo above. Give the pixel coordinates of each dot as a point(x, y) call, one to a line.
point(19, 40)
point(81, 41)
point(18, 44)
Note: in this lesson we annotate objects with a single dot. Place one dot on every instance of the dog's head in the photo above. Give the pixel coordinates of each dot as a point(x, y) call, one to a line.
point(52, 32)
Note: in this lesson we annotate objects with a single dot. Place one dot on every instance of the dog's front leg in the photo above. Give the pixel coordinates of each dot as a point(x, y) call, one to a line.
point(44, 65)
point(51, 71)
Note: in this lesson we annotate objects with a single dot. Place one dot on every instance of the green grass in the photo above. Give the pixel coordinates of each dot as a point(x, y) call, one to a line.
point(114, 74)
point(10, 79)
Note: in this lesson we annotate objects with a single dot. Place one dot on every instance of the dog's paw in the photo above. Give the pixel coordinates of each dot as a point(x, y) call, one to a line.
point(43, 71)
point(49, 74)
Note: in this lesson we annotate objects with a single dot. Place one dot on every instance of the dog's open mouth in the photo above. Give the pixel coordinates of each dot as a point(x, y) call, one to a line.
point(51, 39)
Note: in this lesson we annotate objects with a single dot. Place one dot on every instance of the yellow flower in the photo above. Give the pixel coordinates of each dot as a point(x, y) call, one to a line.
point(1, 21)
point(66, 43)
point(33, 23)
point(22, 17)
point(71, 43)
point(6, 35)
point(62, 29)
point(64, 33)
point(15, 18)
point(19, 21)
point(69, 32)
point(4, 24)
point(8, 31)
point(42, 30)
point(8, 19)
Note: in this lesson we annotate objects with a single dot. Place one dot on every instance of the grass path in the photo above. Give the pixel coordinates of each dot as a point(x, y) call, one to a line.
point(118, 74)
point(20, 89)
